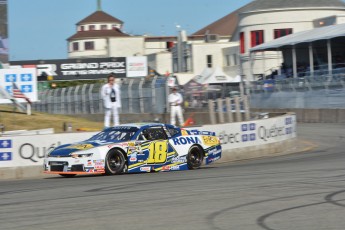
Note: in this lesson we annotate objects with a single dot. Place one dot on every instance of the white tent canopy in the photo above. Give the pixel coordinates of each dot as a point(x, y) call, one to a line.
point(321, 33)
point(215, 75)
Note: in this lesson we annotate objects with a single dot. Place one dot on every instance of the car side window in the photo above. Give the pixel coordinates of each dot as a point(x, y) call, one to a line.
point(153, 133)
point(173, 131)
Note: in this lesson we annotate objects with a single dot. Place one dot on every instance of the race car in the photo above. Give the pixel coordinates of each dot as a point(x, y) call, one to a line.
point(134, 148)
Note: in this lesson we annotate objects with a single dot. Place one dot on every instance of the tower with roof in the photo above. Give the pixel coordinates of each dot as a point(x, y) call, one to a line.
point(101, 35)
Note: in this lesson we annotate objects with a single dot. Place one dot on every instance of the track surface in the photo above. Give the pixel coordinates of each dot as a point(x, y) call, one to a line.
point(298, 191)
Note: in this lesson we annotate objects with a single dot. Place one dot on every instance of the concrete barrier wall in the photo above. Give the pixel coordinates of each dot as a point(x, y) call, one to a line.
point(22, 156)
point(312, 115)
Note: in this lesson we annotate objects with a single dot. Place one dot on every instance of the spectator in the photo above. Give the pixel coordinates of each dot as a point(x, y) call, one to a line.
point(175, 100)
point(112, 101)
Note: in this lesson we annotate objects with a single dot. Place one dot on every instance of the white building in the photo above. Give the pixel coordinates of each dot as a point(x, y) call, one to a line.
point(224, 43)
point(265, 20)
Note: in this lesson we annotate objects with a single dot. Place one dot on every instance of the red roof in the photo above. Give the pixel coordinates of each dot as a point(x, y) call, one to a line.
point(225, 26)
point(98, 34)
point(99, 16)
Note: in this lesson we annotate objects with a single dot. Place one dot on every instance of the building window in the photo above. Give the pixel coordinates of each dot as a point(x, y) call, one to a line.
point(75, 46)
point(227, 59)
point(257, 37)
point(234, 58)
point(282, 32)
point(89, 45)
point(209, 61)
point(242, 43)
point(92, 27)
point(82, 28)
point(104, 27)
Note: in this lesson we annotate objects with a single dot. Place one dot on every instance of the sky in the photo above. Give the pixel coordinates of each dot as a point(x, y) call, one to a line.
point(38, 29)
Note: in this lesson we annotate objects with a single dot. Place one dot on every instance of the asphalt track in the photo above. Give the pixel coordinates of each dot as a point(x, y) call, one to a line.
point(299, 191)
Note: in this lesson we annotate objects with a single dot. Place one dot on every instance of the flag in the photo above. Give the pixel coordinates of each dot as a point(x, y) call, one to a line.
point(17, 93)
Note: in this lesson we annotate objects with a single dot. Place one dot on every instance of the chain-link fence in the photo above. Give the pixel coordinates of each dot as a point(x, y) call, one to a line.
point(137, 96)
point(150, 95)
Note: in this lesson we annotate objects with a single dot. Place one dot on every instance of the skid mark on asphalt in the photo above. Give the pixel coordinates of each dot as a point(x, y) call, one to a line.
point(328, 200)
point(211, 218)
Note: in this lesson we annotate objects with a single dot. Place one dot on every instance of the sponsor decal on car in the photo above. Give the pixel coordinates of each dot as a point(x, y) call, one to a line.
point(186, 140)
point(179, 159)
point(145, 169)
point(210, 140)
point(133, 159)
point(184, 132)
point(166, 168)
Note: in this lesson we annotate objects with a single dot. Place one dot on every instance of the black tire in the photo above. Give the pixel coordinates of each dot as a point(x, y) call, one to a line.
point(195, 157)
point(67, 175)
point(114, 162)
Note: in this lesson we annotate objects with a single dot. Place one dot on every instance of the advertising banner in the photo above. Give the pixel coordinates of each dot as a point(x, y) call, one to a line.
point(88, 68)
point(24, 79)
point(253, 133)
point(137, 66)
point(30, 150)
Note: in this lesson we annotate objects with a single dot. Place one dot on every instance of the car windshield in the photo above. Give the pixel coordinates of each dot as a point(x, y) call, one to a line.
point(122, 133)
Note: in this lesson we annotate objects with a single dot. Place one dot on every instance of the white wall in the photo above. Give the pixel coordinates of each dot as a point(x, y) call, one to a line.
point(200, 52)
point(126, 46)
point(155, 47)
point(100, 49)
point(161, 62)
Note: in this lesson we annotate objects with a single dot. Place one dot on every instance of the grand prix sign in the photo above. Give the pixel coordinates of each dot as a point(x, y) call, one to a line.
point(90, 68)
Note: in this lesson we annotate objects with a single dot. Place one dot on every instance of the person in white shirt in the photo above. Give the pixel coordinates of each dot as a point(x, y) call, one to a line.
point(112, 101)
point(175, 100)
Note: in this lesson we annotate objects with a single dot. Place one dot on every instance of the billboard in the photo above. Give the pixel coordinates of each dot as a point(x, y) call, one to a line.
point(88, 68)
point(25, 80)
point(4, 51)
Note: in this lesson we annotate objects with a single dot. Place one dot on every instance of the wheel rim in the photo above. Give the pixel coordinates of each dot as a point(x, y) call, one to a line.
point(114, 162)
point(195, 158)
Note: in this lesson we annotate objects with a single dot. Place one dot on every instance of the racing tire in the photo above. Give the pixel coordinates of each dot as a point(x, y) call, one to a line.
point(114, 162)
point(195, 157)
point(67, 175)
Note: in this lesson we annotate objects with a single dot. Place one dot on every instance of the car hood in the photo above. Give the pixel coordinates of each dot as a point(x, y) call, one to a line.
point(67, 149)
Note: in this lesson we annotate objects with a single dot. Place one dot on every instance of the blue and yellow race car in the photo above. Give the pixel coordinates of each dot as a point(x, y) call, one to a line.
point(133, 148)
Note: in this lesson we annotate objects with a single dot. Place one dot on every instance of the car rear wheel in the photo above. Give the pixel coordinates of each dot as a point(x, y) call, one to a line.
point(195, 157)
point(114, 162)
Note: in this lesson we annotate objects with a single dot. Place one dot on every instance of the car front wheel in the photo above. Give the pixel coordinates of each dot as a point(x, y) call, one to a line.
point(114, 162)
point(195, 157)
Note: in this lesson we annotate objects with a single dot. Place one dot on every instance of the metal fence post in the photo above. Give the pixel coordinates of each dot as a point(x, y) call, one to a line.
point(220, 110)
point(83, 99)
point(130, 102)
point(76, 104)
point(50, 99)
point(91, 99)
point(55, 99)
point(238, 109)
point(69, 100)
point(229, 110)
point(141, 95)
point(153, 90)
point(246, 108)
point(63, 100)
point(211, 112)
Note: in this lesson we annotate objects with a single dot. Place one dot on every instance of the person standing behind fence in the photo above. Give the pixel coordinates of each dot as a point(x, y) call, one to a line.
point(112, 101)
point(175, 100)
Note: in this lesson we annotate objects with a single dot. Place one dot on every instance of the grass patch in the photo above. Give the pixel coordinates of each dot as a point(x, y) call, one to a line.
point(20, 121)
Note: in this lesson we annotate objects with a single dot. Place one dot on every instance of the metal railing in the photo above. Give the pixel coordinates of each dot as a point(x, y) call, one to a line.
point(137, 96)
